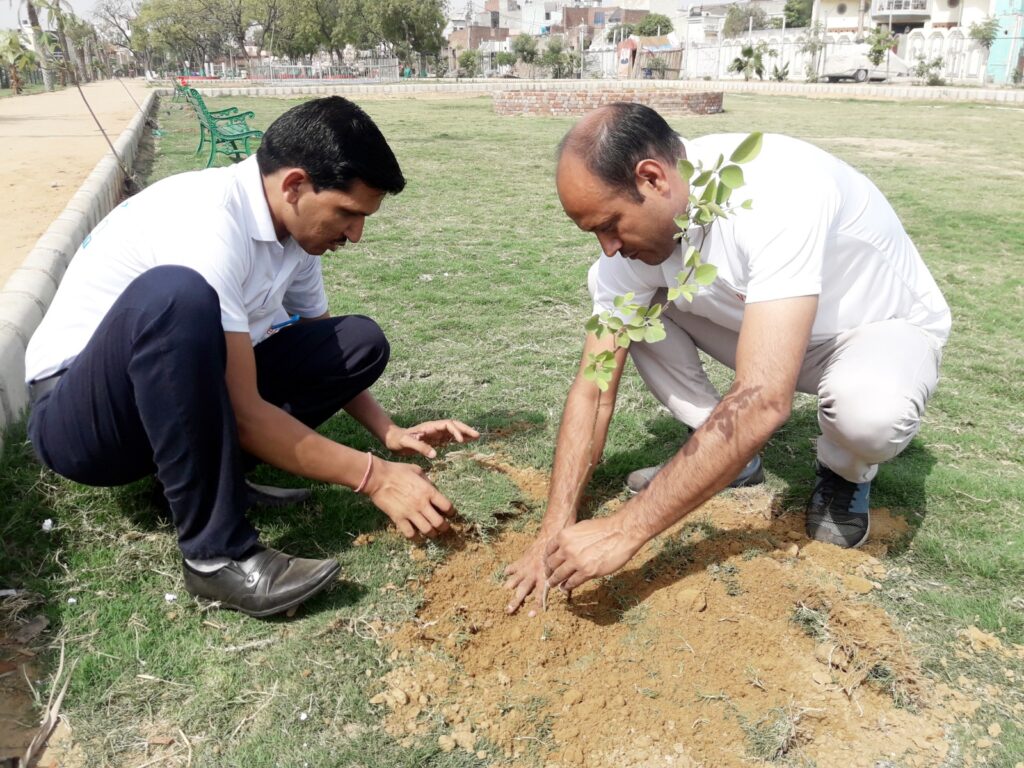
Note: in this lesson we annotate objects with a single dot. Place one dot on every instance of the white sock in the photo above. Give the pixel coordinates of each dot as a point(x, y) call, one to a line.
point(208, 566)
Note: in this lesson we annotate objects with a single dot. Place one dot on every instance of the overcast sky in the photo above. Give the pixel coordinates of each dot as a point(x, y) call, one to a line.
point(9, 11)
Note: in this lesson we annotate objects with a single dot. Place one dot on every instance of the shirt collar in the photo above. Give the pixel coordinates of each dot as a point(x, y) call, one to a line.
point(257, 211)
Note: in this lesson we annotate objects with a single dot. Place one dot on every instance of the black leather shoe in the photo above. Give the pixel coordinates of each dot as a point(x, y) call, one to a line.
point(269, 497)
point(264, 583)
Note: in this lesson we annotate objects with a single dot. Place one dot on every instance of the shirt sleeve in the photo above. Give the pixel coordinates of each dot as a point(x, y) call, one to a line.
point(617, 276)
point(216, 248)
point(784, 240)
point(306, 296)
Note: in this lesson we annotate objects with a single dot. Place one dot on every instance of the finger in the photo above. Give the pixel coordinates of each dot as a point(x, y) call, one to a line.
point(523, 591)
point(441, 504)
point(406, 529)
point(437, 522)
point(574, 581)
point(553, 561)
point(467, 431)
point(551, 547)
point(413, 443)
point(561, 574)
point(422, 525)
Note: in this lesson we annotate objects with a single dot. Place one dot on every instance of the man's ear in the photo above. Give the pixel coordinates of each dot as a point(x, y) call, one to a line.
point(651, 176)
point(293, 182)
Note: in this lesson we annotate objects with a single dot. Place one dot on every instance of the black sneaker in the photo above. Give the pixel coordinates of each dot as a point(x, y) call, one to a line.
point(838, 510)
point(752, 474)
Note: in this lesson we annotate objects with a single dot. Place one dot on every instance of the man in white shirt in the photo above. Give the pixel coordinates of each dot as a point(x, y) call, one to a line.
point(818, 289)
point(190, 338)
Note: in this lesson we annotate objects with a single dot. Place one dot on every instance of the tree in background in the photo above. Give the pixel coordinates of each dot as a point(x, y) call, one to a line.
point(525, 49)
point(739, 19)
point(880, 41)
point(505, 59)
point(797, 13)
point(470, 63)
point(556, 59)
point(39, 45)
point(984, 34)
point(653, 24)
point(15, 57)
point(751, 60)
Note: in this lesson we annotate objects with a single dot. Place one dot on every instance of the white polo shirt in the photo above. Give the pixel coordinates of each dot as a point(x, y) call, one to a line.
point(216, 222)
point(817, 227)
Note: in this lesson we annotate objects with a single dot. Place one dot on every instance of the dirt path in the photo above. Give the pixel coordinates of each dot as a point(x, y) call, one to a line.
point(50, 145)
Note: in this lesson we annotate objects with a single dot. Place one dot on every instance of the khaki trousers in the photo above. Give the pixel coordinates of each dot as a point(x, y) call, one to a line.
point(872, 384)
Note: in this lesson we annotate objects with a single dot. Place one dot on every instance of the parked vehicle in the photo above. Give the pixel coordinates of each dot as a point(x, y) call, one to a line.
point(850, 62)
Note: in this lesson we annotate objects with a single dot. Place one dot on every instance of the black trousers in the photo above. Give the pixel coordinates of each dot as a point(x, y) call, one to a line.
point(148, 394)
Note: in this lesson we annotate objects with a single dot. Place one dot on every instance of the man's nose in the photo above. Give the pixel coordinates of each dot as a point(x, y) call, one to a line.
point(610, 245)
point(355, 230)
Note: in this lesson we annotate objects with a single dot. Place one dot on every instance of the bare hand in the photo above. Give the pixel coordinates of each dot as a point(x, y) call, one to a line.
point(420, 438)
point(526, 575)
point(586, 550)
point(409, 499)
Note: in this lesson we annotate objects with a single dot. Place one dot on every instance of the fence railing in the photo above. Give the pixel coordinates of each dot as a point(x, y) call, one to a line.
point(364, 70)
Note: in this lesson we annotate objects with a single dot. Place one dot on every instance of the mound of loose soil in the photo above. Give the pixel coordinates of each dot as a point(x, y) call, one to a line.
point(730, 638)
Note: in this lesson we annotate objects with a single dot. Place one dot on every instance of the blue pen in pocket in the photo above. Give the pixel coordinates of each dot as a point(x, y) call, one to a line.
point(283, 324)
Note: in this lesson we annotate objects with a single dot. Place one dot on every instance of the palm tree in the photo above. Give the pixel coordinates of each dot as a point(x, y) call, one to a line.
point(750, 61)
point(16, 57)
point(39, 44)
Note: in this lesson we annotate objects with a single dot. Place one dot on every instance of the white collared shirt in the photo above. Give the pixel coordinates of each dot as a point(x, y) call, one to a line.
point(817, 228)
point(216, 222)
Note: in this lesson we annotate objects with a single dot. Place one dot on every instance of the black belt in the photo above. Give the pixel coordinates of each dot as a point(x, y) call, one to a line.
point(39, 387)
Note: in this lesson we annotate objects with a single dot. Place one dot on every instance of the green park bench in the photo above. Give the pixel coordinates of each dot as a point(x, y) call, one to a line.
point(180, 89)
point(226, 130)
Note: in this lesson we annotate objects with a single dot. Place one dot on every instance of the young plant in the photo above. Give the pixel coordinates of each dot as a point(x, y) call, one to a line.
point(710, 199)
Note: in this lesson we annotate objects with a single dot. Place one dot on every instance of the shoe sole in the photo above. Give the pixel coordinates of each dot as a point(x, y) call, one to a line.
point(863, 539)
point(756, 479)
point(318, 587)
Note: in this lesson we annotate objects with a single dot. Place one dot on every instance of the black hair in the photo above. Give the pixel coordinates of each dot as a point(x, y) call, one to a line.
point(625, 134)
point(335, 142)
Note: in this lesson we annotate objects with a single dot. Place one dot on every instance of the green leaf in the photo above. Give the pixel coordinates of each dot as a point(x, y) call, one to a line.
point(703, 179)
point(732, 175)
point(623, 340)
point(674, 293)
point(687, 291)
point(721, 159)
point(709, 191)
point(635, 334)
point(655, 333)
point(691, 258)
point(748, 204)
point(716, 209)
point(705, 274)
point(704, 216)
point(722, 196)
point(655, 312)
point(618, 302)
point(592, 324)
point(685, 169)
point(602, 384)
point(614, 324)
point(748, 149)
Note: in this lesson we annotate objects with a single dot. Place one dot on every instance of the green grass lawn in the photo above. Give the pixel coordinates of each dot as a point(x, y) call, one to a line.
point(478, 279)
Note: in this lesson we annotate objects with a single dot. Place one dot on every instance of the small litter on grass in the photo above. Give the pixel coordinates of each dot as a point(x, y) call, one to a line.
point(303, 716)
point(72, 600)
point(47, 525)
point(170, 597)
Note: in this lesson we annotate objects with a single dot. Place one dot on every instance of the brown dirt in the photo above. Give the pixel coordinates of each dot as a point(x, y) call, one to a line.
point(693, 655)
point(51, 145)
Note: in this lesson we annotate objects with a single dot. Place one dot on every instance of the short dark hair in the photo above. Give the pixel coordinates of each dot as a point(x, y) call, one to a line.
point(335, 142)
point(612, 144)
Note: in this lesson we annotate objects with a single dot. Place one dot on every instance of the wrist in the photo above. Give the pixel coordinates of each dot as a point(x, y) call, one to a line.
point(368, 477)
point(629, 527)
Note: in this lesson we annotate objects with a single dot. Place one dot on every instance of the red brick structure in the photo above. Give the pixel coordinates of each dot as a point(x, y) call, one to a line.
point(576, 102)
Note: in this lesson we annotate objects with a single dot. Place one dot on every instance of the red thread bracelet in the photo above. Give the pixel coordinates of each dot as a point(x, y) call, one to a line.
point(366, 475)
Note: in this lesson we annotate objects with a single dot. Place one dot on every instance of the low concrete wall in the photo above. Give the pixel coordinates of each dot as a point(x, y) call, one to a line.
point(471, 88)
point(543, 101)
point(29, 290)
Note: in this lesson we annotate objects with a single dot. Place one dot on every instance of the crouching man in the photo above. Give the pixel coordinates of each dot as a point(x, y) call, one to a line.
point(818, 290)
point(190, 338)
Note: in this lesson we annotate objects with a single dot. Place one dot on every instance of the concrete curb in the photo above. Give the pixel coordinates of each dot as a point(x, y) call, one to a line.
point(29, 290)
point(480, 87)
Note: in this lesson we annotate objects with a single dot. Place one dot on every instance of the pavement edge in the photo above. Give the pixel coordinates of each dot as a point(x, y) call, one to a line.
point(27, 294)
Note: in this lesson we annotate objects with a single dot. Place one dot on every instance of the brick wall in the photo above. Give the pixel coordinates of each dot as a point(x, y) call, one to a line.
point(562, 102)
